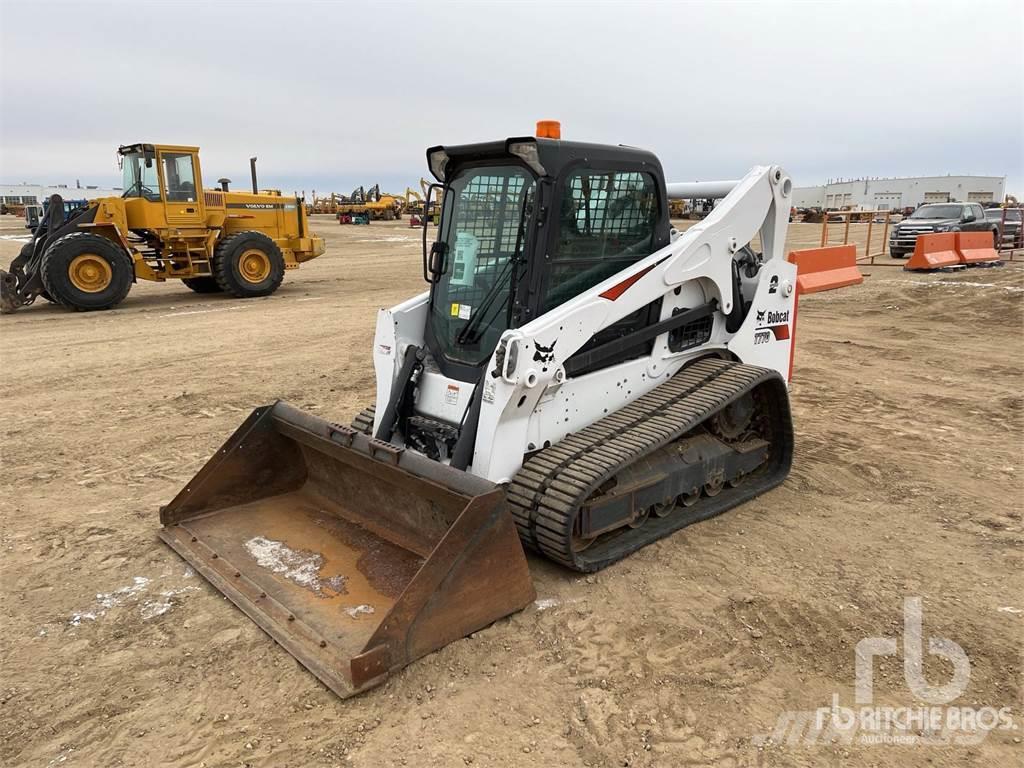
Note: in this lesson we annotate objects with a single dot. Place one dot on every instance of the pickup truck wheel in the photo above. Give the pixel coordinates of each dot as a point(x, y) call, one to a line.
point(897, 254)
point(86, 272)
point(995, 239)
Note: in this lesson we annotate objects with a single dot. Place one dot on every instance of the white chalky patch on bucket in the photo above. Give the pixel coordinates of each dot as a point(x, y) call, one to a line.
point(301, 567)
point(357, 610)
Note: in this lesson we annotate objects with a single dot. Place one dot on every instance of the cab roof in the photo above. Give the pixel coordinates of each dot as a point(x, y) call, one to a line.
point(125, 149)
point(547, 157)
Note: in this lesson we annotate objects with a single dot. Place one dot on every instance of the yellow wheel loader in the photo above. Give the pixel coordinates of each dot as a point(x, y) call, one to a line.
point(579, 379)
point(164, 226)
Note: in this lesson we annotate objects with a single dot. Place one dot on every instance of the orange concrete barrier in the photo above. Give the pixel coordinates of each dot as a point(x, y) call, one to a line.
point(975, 247)
point(822, 269)
point(934, 252)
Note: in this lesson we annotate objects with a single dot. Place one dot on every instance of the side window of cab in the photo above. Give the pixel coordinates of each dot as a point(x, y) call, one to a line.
point(606, 222)
point(179, 177)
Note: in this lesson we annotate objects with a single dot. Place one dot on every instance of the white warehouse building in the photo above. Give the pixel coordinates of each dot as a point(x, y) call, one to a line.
point(32, 194)
point(908, 192)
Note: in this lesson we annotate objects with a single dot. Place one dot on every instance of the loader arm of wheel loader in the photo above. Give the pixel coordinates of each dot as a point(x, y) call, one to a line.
point(529, 366)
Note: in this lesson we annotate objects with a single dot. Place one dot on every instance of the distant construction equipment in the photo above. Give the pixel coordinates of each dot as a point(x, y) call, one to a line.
point(371, 204)
point(164, 226)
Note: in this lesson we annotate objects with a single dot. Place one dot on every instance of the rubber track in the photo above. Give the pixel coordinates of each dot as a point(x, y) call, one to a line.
point(546, 494)
point(364, 421)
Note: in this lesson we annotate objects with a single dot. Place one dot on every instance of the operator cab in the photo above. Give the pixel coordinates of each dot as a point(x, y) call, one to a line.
point(159, 174)
point(526, 225)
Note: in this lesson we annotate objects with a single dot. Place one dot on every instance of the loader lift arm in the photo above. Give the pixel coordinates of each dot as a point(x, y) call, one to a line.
point(705, 252)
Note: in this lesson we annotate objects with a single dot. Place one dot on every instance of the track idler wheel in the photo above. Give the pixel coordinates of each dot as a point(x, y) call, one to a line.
point(580, 543)
point(732, 421)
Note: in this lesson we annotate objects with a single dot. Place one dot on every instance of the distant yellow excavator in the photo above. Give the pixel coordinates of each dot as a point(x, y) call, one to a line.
point(164, 225)
point(415, 201)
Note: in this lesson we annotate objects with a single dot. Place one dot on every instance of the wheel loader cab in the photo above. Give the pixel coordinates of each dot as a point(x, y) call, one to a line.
point(166, 182)
point(527, 224)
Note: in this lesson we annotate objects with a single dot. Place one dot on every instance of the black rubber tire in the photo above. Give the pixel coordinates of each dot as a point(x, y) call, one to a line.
point(226, 269)
point(202, 284)
point(897, 255)
point(57, 283)
point(996, 240)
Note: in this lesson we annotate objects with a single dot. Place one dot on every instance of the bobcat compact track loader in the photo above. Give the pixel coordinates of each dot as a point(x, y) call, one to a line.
point(580, 378)
point(164, 226)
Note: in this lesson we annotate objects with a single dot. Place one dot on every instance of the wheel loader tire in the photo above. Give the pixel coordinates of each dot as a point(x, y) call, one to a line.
point(86, 272)
point(248, 264)
point(364, 421)
point(202, 284)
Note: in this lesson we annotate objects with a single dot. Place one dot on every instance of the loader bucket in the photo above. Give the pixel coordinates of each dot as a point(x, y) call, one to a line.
point(355, 555)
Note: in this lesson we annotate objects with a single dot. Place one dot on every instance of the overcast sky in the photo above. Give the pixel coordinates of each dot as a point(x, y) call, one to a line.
point(331, 96)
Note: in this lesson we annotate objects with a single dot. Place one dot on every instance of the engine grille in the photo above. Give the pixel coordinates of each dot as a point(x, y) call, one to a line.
point(905, 236)
point(693, 334)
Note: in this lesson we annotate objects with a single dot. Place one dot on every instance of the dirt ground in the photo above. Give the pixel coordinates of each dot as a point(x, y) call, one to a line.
point(907, 403)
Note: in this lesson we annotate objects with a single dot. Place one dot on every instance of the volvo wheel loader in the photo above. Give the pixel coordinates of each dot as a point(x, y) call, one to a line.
point(578, 380)
point(164, 226)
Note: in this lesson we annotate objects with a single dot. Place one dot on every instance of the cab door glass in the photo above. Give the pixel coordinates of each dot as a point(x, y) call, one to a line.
point(606, 222)
point(179, 177)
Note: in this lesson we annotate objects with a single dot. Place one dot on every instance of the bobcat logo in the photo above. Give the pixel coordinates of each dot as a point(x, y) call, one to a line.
point(760, 315)
point(544, 354)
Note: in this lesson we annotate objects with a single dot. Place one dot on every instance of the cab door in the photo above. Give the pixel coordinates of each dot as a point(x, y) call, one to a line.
point(181, 188)
point(980, 223)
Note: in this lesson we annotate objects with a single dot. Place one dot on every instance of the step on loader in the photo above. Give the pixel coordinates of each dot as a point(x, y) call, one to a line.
point(579, 380)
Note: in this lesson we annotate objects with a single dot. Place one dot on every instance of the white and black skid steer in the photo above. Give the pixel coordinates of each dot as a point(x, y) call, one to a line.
point(579, 377)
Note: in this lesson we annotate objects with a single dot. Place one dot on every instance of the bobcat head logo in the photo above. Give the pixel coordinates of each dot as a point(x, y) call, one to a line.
point(544, 354)
point(760, 315)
